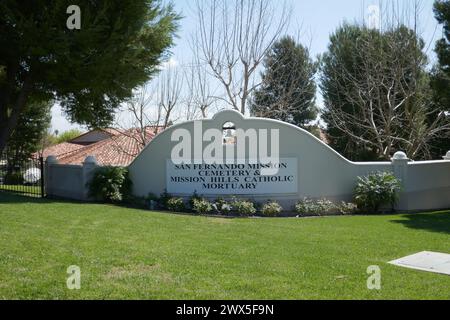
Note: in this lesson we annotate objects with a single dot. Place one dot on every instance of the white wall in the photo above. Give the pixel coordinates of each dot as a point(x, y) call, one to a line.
point(68, 181)
point(322, 172)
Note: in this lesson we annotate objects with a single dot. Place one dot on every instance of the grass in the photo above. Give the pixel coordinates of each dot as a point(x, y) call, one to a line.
point(32, 190)
point(135, 254)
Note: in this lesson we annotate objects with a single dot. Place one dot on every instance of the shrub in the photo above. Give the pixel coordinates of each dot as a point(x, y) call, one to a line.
point(151, 201)
point(271, 209)
point(152, 197)
point(194, 198)
point(164, 199)
point(243, 207)
point(323, 207)
point(347, 208)
point(176, 205)
point(222, 207)
point(14, 178)
point(110, 184)
point(377, 190)
point(201, 206)
point(315, 207)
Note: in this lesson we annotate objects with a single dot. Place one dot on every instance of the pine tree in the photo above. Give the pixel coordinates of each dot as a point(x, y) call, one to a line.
point(440, 78)
point(288, 89)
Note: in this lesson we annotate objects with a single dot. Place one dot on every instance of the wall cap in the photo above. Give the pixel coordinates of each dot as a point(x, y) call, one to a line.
point(52, 159)
point(90, 160)
point(400, 155)
point(447, 156)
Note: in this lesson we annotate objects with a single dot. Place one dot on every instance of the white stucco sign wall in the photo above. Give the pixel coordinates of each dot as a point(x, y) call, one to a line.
point(309, 167)
point(240, 178)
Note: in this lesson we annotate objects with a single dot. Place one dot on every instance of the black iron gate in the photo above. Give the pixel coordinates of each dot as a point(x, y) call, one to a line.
point(24, 177)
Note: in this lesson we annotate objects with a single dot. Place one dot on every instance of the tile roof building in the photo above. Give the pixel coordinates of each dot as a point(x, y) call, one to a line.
point(110, 147)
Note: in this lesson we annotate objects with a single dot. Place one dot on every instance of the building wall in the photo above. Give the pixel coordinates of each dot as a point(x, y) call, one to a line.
point(321, 172)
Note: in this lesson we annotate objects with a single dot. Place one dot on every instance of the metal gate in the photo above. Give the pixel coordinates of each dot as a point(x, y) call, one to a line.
point(24, 177)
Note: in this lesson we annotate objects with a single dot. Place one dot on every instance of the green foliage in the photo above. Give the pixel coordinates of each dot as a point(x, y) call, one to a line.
point(164, 199)
point(271, 209)
point(243, 208)
point(152, 197)
point(143, 255)
point(110, 184)
point(176, 205)
point(68, 135)
point(288, 88)
point(315, 207)
point(14, 178)
point(347, 208)
point(201, 206)
point(193, 198)
point(151, 201)
point(324, 207)
point(440, 77)
point(355, 73)
point(377, 190)
point(27, 137)
point(221, 206)
point(89, 71)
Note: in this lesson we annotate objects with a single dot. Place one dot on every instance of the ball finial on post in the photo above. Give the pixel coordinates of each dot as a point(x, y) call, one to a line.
point(447, 156)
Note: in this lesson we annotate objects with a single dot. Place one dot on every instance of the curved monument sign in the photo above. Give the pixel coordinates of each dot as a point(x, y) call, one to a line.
point(262, 159)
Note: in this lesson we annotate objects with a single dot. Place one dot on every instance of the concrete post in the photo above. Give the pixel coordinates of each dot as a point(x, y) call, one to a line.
point(89, 166)
point(48, 176)
point(400, 167)
point(447, 156)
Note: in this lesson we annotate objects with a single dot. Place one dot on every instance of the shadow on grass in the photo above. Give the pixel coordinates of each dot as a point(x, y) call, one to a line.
point(11, 197)
point(435, 222)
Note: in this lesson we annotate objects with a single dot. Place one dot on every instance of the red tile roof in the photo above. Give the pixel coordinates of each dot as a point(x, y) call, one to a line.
point(118, 150)
point(61, 149)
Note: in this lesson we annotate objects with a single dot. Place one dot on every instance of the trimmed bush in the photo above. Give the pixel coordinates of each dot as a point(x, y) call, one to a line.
point(192, 199)
point(201, 206)
point(110, 184)
point(315, 207)
point(222, 207)
point(346, 208)
point(377, 190)
point(243, 207)
point(271, 209)
point(176, 205)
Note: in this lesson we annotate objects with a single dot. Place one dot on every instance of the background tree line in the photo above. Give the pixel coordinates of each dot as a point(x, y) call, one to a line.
point(380, 94)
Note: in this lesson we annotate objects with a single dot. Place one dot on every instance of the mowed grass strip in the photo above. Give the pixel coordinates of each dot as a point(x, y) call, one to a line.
point(136, 254)
point(29, 189)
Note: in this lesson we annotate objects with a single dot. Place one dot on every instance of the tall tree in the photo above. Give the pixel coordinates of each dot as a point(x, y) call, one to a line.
point(31, 128)
point(377, 97)
point(90, 70)
point(440, 79)
point(68, 135)
point(153, 107)
point(288, 88)
point(233, 38)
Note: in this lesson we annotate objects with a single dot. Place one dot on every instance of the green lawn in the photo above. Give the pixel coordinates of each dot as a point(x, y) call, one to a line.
point(35, 190)
point(136, 254)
